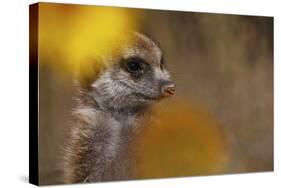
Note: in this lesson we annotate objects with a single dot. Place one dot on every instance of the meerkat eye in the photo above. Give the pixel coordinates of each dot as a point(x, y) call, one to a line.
point(135, 66)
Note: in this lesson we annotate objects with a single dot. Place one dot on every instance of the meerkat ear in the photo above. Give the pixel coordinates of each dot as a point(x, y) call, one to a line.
point(147, 36)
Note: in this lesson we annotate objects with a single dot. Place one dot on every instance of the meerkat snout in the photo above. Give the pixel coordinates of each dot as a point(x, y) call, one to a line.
point(168, 90)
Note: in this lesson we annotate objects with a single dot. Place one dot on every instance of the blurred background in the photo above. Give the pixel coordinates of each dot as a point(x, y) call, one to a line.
point(221, 118)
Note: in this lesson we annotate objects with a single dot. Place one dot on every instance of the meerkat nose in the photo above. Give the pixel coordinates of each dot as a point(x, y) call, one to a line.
point(168, 90)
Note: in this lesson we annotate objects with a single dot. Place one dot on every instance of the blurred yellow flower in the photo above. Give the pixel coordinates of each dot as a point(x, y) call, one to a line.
point(71, 36)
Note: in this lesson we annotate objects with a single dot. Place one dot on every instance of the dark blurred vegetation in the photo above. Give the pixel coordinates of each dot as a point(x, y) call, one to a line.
point(221, 119)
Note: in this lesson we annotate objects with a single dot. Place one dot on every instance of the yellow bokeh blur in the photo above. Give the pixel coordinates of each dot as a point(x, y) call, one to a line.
point(183, 139)
point(71, 36)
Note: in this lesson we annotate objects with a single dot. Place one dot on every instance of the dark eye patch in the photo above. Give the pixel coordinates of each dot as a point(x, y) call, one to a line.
point(135, 66)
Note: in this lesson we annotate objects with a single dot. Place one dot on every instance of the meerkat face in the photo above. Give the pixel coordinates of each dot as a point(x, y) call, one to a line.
point(136, 78)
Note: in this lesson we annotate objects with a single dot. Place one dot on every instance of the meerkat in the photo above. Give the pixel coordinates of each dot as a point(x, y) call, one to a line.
point(109, 109)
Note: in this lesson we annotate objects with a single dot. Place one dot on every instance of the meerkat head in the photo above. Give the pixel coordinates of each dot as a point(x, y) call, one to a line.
point(134, 77)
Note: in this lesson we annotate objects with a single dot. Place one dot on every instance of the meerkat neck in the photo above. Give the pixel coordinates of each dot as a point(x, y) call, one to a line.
point(128, 116)
point(99, 102)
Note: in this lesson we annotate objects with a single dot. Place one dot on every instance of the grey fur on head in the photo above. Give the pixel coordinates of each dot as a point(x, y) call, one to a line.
point(109, 108)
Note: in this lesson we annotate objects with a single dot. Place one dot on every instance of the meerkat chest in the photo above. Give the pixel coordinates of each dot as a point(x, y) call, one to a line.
point(126, 121)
